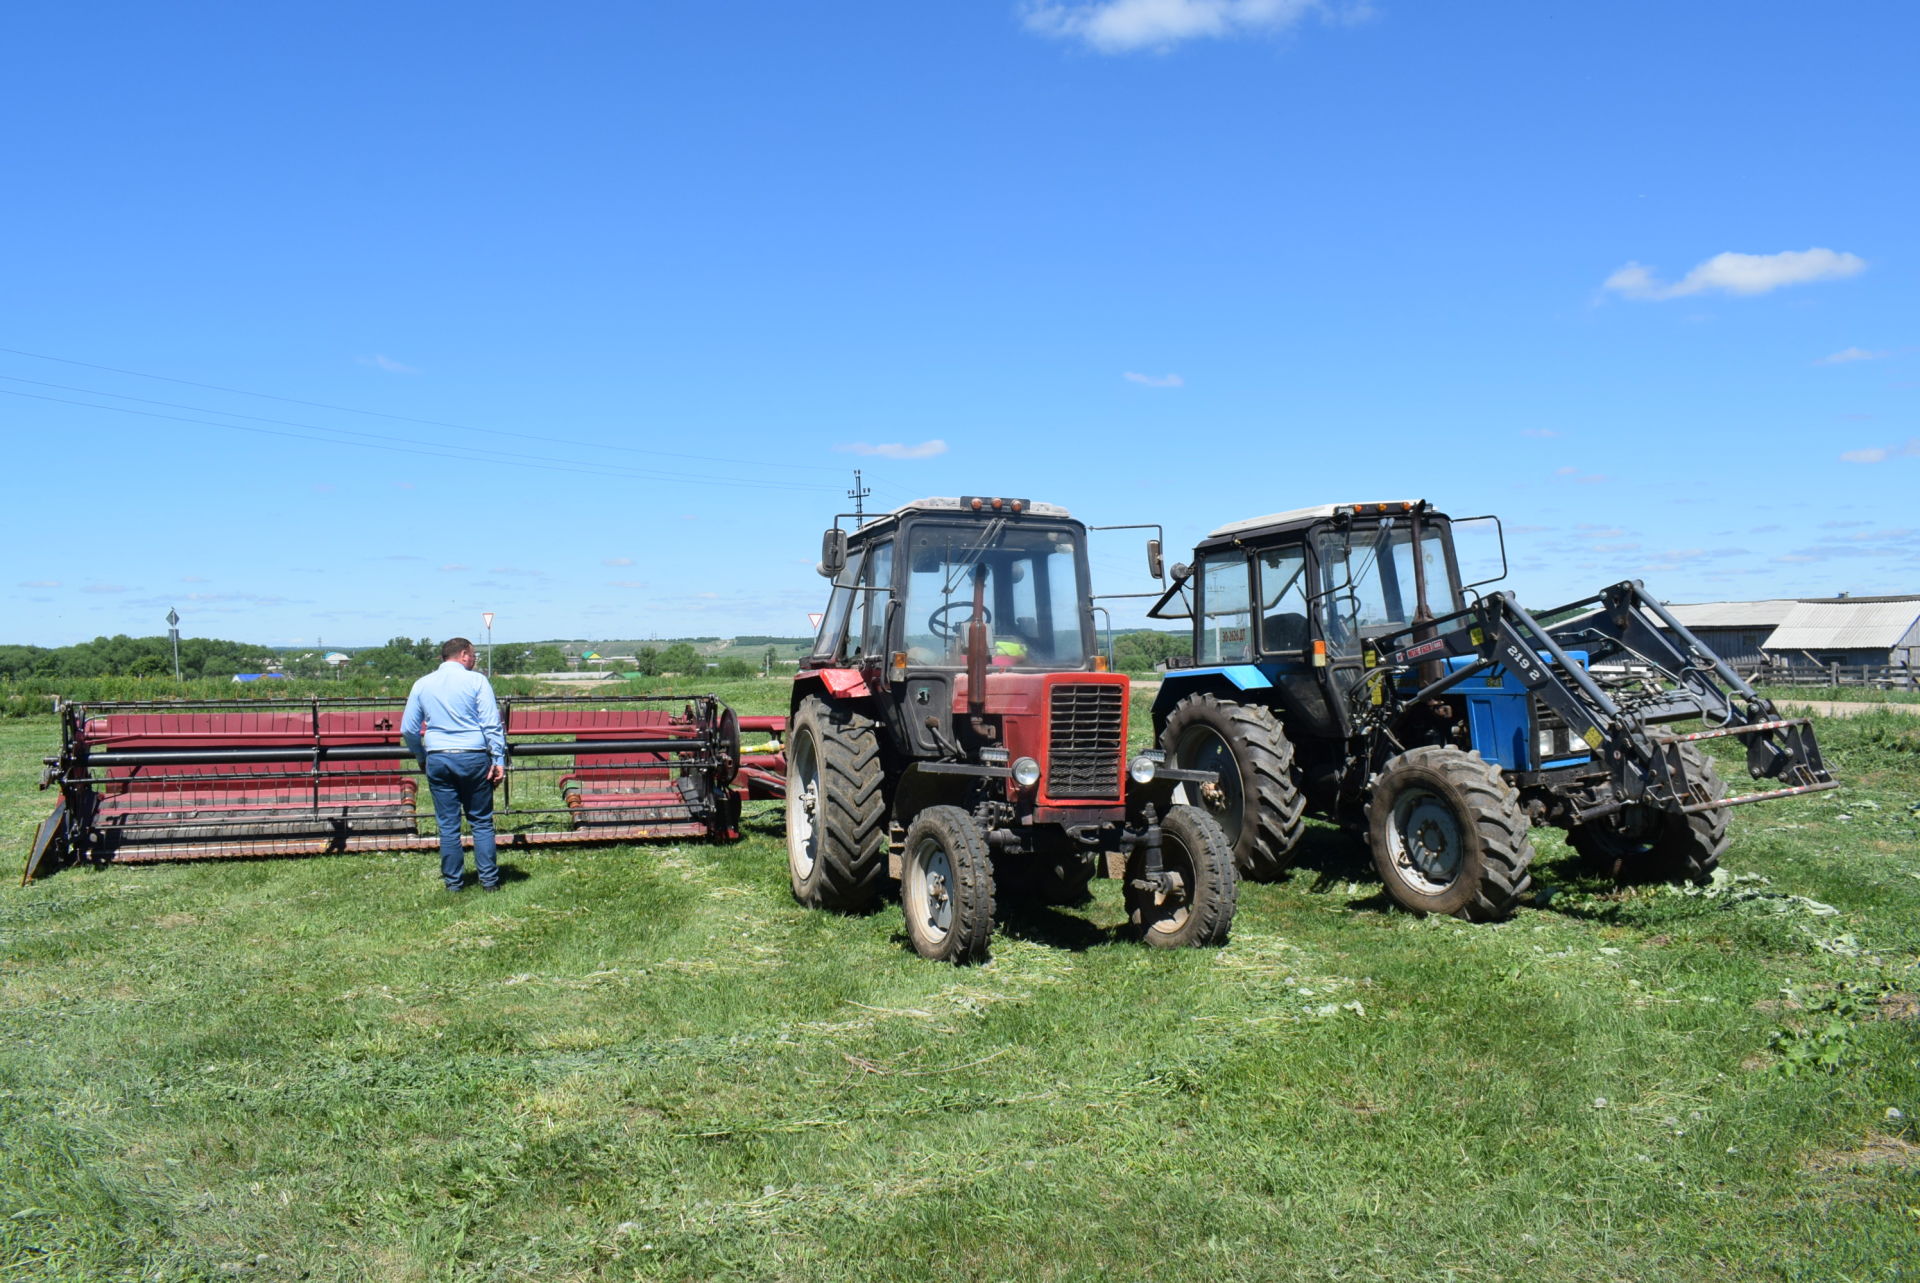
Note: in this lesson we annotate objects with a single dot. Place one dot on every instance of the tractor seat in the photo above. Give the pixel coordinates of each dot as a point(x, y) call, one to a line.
point(1284, 631)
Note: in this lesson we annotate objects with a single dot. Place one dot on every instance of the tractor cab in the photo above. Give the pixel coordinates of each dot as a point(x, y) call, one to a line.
point(1295, 599)
point(911, 587)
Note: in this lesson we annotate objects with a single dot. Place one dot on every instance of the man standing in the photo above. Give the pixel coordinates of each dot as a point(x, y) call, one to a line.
point(452, 724)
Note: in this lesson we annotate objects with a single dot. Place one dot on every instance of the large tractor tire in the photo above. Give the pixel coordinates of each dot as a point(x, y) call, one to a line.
point(1196, 908)
point(1448, 835)
point(946, 887)
point(836, 808)
point(1257, 800)
point(1639, 844)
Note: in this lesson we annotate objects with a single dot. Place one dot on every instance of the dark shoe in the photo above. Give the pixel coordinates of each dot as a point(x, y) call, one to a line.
point(455, 889)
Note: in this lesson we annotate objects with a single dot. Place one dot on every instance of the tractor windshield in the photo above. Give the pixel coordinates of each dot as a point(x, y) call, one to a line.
point(1367, 580)
point(1027, 579)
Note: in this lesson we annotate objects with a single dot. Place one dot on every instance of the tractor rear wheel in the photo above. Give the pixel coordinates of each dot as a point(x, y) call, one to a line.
point(1448, 834)
point(1641, 844)
point(1257, 799)
point(946, 887)
point(836, 808)
point(1195, 905)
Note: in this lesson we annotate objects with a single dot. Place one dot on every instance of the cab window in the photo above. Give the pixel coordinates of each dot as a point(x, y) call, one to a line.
point(1225, 610)
point(868, 637)
point(833, 624)
point(1283, 600)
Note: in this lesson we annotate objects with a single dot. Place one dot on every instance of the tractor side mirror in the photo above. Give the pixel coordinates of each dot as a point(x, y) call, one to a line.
point(1480, 550)
point(1155, 566)
point(833, 553)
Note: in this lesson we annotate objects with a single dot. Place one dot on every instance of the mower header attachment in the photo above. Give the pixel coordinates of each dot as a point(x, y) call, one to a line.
point(224, 778)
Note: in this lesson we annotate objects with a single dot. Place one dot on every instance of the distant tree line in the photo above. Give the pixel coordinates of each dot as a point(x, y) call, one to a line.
point(1138, 652)
point(124, 656)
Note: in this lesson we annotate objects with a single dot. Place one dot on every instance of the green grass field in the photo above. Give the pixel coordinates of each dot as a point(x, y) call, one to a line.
point(647, 1062)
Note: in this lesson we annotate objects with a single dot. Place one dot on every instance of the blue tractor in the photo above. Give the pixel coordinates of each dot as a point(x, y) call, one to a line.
point(1341, 667)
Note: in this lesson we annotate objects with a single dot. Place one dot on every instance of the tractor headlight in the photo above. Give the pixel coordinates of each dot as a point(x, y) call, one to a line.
point(1143, 768)
point(1026, 772)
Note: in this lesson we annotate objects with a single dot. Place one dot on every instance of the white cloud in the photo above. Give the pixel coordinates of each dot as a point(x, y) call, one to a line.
point(1738, 274)
point(626, 583)
point(39, 583)
point(1122, 26)
point(387, 363)
point(895, 450)
point(617, 561)
point(1565, 472)
point(1155, 380)
point(1538, 432)
point(1850, 354)
point(1881, 453)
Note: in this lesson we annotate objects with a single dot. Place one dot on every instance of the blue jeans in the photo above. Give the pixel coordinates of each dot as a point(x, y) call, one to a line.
point(459, 783)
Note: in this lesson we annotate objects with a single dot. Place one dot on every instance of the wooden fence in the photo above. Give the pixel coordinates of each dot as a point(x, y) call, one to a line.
point(1876, 676)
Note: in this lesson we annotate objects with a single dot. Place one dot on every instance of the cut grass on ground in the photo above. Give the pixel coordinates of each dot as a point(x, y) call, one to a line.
point(648, 1062)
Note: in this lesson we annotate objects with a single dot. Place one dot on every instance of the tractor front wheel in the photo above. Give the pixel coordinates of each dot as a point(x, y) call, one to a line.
point(836, 808)
point(1256, 800)
point(946, 887)
point(1639, 843)
point(1448, 835)
point(1193, 902)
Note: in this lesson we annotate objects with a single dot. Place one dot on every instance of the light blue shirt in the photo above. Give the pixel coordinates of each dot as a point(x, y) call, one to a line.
point(454, 707)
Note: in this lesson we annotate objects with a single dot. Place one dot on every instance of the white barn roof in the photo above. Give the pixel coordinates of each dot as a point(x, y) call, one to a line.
point(1734, 614)
point(1851, 624)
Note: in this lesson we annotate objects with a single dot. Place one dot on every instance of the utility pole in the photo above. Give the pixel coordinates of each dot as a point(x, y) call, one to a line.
point(859, 495)
point(486, 617)
point(173, 633)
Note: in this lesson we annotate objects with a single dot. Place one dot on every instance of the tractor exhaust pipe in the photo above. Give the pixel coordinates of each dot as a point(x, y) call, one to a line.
point(977, 646)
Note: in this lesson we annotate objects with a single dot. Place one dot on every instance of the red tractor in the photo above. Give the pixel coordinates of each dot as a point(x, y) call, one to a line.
point(954, 696)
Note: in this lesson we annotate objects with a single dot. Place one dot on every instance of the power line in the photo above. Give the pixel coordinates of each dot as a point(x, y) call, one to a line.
point(524, 461)
point(397, 418)
point(474, 452)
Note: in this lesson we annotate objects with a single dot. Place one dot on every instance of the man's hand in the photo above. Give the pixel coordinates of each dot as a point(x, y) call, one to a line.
point(496, 773)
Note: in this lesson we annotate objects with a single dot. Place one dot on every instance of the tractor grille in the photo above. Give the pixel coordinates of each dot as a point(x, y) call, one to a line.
point(1085, 726)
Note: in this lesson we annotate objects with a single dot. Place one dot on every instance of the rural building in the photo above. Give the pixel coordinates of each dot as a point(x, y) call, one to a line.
point(1809, 631)
point(1737, 631)
point(1849, 630)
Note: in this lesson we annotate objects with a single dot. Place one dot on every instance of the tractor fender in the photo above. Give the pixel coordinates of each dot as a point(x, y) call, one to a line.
point(831, 683)
point(1227, 679)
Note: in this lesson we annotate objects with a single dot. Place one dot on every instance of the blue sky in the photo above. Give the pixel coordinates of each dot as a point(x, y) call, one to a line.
point(348, 321)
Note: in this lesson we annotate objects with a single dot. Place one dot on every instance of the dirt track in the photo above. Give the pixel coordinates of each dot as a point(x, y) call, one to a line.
point(1841, 708)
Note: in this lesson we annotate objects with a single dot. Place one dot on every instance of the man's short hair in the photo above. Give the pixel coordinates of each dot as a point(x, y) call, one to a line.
point(454, 646)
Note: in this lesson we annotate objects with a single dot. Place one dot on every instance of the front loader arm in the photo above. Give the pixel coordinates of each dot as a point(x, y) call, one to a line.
point(1644, 763)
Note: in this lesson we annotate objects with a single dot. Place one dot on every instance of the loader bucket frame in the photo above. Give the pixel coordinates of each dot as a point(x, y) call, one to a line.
point(1622, 620)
